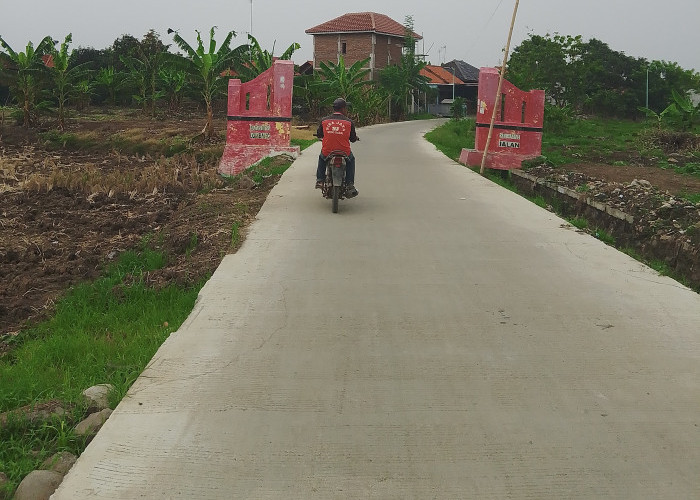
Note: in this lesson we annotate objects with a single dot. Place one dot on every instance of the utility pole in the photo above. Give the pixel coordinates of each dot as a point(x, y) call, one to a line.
point(647, 100)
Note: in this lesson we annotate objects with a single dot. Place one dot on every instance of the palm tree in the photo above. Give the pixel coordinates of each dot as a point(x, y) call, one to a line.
point(207, 67)
point(24, 69)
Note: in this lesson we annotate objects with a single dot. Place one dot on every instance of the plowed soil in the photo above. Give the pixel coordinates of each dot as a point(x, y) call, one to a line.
point(65, 214)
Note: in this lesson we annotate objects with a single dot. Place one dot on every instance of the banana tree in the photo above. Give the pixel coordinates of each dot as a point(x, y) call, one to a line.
point(207, 67)
point(259, 60)
point(687, 111)
point(172, 81)
point(111, 81)
point(25, 71)
point(64, 78)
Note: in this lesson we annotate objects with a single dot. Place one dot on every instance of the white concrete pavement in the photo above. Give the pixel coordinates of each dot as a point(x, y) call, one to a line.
point(440, 337)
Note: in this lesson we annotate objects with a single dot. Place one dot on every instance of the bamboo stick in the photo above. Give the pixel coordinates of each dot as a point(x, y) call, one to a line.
point(498, 92)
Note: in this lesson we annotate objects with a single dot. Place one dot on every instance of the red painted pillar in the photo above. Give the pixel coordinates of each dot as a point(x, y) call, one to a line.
point(517, 131)
point(259, 119)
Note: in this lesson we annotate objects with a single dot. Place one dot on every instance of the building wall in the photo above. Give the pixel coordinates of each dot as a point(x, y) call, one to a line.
point(358, 46)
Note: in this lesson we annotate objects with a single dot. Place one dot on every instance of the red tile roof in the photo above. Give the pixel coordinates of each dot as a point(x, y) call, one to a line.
point(439, 75)
point(362, 22)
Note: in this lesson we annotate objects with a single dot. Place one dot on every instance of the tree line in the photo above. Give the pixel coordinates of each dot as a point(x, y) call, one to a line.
point(146, 73)
point(588, 77)
point(51, 78)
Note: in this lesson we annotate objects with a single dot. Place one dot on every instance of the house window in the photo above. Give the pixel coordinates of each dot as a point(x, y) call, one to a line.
point(343, 47)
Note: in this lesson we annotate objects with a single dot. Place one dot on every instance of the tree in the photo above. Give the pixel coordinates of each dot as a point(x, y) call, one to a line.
point(144, 63)
point(24, 71)
point(259, 60)
point(64, 78)
point(172, 82)
point(403, 82)
point(206, 67)
point(545, 62)
point(590, 77)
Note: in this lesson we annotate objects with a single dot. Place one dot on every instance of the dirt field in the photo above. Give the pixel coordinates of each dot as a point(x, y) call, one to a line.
point(65, 214)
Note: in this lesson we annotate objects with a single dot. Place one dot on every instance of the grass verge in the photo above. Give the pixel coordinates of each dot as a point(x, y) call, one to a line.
point(451, 137)
point(102, 332)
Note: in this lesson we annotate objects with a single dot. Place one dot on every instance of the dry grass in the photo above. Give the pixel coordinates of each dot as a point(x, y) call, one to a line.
point(181, 173)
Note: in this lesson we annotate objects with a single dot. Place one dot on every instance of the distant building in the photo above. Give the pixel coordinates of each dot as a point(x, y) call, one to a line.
point(465, 72)
point(469, 88)
point(358, 36)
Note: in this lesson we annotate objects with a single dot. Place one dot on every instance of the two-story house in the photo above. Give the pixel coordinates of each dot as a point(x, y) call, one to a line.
point(358, 36)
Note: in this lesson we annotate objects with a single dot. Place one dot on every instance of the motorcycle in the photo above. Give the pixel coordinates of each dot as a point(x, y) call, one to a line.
point(334, 187)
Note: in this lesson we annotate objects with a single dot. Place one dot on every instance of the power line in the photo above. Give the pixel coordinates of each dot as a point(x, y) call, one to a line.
point(483, 28)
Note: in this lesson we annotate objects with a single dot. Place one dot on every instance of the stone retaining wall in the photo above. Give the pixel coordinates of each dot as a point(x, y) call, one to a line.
point(682, 257)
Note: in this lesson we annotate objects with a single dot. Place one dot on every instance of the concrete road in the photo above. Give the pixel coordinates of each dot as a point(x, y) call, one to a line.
point(440, 337)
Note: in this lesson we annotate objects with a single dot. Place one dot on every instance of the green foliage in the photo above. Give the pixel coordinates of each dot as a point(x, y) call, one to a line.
point(66, 80)
point(590, 77)
point(557, 119)
point(604, 236)
point(659, 117)
point(337, 80)
point(688, 112)
point(101, 333)
point(206, 67)
point(104, 332)
point(459, 108)
point(579, 223)
point(402, 83)
point(302, 143)
point(24, 72)
point(259, 60)
point(235, 235)
point(453, 136)
point(144, 64)
point(110, 81)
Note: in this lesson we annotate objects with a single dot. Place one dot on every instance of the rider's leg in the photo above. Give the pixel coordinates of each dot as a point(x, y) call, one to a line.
point(320, 171)
point(350, 170)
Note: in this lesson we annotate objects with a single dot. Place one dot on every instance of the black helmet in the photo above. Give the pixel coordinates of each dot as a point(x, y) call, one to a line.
point(339, 104)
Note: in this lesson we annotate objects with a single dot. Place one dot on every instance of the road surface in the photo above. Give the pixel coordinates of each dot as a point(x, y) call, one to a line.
point(439, 337)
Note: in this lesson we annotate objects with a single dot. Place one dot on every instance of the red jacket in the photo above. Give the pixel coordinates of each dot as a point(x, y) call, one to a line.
point(337, 132)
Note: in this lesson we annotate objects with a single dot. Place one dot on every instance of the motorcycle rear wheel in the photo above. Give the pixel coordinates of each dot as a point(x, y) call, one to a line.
point(336, 195)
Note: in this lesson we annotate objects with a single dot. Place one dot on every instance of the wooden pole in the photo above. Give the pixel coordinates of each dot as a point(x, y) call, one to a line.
point(500, 84)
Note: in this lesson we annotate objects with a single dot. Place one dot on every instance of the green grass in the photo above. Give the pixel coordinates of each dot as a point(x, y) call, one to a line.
point(235, 234)
point(302, 143)
point(268, 167)
point(578, 223)
point(453, 136)
point(102, 332)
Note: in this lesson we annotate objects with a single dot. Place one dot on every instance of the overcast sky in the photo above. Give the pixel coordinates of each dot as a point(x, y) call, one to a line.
point(474, 31)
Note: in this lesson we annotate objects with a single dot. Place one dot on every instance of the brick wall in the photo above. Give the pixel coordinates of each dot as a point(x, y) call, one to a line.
point(358, 46)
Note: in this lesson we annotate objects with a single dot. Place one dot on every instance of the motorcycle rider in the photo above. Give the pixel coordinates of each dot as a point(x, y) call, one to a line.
point(337, 131)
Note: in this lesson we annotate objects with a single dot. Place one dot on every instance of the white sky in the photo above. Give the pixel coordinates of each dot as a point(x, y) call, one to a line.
point(471, 30)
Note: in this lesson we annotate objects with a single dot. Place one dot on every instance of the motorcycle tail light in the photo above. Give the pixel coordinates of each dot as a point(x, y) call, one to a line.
point(338, 161)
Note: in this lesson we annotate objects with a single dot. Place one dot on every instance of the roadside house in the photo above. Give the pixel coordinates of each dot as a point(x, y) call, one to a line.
point(469, 75)
point(446, 84)
point(358, 36)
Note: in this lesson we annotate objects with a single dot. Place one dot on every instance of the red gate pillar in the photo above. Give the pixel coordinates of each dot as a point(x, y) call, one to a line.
point(517, 131)
point(259, 119)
